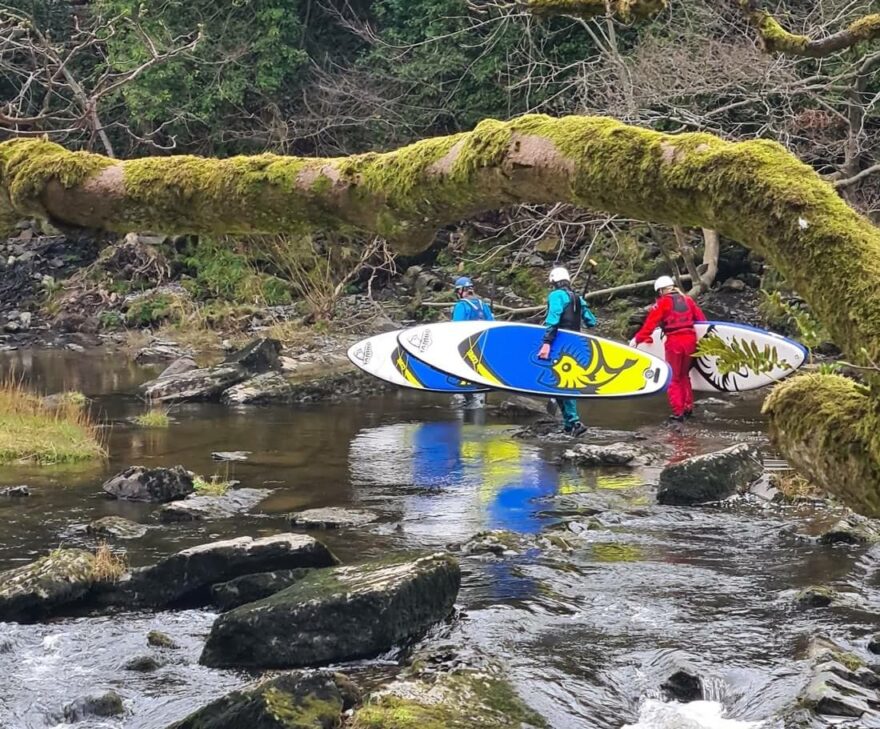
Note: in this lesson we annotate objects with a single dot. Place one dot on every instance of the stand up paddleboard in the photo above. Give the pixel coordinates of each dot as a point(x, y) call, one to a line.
point(382, 357)
point(505, 356)
point(705, 376)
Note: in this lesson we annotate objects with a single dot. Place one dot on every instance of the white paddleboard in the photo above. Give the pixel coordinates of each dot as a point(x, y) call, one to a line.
point(705, 376)
point(382, 357)
point(505, 356)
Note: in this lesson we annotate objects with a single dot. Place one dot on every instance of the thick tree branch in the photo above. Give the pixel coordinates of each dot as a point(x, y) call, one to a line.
point(623, 9)
point(775, 39)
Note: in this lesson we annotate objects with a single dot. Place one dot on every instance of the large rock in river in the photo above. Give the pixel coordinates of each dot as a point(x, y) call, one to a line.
point(264, 388)
point(202, 384)
point(337, 615)
point(261, 355)
point(297, 700)
point(710, 477)
point(157, 485)
point(186, 578)
point(34, 591)
point(250, 588)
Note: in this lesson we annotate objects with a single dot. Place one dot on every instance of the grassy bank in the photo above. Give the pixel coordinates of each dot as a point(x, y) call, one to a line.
point(31, 430)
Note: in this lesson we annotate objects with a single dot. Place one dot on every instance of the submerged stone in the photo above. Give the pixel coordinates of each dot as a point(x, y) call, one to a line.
point(15, 491)
point(612, 454)
point(815, 597)
point(157, 485)
point(250, 588)
point(337, 615)
point(36, 590)
point(710, 477)
point(296, 700)
point(683, 686)
point(158, 639)
point(852, 529)
point(331, 518)
point(103, 705)
point(116, 527)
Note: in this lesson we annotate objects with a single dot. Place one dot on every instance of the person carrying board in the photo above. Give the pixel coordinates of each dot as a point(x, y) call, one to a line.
point(470, 307)
point(566, 310)
point(675, 313)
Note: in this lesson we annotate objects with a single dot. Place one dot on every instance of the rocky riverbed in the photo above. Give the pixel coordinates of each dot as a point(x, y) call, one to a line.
point(393, 557)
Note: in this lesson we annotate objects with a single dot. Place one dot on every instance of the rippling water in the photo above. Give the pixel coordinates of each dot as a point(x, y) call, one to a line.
point(588, 637)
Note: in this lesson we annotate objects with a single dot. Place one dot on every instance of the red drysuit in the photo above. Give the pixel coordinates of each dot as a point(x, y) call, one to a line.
point(675, 314)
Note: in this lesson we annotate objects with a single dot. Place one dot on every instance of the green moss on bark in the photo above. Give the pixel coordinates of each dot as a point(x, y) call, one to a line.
point(829, 427)
point(624, 9)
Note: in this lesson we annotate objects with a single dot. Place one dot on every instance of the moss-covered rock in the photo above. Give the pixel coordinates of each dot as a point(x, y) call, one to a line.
point(37, 590)
point(337, 615)
point(289, 701)
point(710, 477)
point(467, 699)
point(187, 576)
point(250, 588)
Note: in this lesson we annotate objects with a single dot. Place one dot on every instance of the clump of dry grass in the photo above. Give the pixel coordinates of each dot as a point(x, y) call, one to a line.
point(154, 418)
point(214, 486)
point(31, 430)
point(109, 567)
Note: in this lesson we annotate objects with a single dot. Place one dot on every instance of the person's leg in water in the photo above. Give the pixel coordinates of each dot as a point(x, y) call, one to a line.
point(679, 349)
point(571, 421)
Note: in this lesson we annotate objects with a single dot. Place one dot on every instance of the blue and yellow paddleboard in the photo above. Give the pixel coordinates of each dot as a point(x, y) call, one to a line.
point(505, 356)
point(383, 357)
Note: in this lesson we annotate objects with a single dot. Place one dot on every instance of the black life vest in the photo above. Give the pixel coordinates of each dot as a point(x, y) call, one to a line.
point(571, 315)
point(680, 317)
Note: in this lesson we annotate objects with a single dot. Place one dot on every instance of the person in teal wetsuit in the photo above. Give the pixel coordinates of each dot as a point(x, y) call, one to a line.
point(470, 307)
point(566, 310)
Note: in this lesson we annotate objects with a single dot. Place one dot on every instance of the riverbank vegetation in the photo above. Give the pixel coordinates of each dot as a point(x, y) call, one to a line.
point(33, 430)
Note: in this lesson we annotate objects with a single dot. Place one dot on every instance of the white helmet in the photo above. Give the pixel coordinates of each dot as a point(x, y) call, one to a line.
point(559, 274)
point(663, 282)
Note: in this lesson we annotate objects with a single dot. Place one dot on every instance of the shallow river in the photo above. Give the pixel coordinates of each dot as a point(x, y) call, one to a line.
point(587, 637)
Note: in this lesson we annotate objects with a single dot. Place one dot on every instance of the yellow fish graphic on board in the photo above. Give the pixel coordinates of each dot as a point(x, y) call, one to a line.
point(611, 370)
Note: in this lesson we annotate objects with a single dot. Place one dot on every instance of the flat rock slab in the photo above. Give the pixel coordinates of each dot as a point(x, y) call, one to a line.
point(116, 527)
point(264, 388)
point(179, 366)
point(160, 352)
point(613, 454)
point(207, 507)
point(230, 455)
point(250, 588)
point(157, 485)
point(296, 700)
point(202, 384)
point(710, 477)
point(186, 577)
point(34, 591)
point(331, 518)
point(337, 615)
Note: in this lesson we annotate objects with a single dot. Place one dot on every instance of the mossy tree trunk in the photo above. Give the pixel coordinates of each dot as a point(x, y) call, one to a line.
point(754, 192)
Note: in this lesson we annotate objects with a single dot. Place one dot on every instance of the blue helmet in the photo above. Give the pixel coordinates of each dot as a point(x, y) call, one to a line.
point(463, 283)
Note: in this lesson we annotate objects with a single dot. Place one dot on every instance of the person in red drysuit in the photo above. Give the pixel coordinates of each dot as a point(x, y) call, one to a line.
point(675, 313)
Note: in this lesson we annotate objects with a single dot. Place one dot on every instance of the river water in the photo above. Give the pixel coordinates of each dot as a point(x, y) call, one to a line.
point(587, 637)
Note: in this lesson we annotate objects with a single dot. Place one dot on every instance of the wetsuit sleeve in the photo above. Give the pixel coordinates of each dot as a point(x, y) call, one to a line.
point(696, 311)
point(588, 316)
point(556, 303)
point(460, 312)
point(652, 321)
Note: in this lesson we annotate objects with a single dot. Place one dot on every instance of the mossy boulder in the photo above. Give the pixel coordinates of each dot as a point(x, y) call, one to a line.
point(337, 615)
point(185, 578)
point(37, 590)
point(250, 588)
point(466, 699)
point(710, 477)
point(296, 700)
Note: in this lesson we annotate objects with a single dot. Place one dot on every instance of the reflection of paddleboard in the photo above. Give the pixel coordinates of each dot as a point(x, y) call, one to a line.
point(382, 357)
point(705, 376)
point(502, 355)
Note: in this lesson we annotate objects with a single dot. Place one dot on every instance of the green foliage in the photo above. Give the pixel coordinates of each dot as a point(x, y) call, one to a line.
point(148, 311)
point(154, 418)
point(111, 319)
point(737, 354)
point(251, 56)
point(214, 486)
point(808, 329)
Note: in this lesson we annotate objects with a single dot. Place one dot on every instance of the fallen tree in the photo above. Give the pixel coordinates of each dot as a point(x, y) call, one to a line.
point(753, 192)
